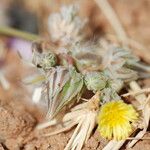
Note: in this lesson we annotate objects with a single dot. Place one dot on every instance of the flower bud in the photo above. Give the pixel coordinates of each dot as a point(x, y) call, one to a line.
point(95, 81)
point(44, 60)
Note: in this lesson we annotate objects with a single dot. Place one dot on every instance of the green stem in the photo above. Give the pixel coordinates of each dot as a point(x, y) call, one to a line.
point(16, 33)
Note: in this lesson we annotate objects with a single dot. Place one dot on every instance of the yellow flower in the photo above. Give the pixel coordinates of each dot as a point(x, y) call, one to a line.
point(115, 118)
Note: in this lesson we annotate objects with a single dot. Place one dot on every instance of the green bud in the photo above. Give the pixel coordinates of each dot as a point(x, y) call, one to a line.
point(115, 84)
point(95, 81)
point(48, 60)
point(44, 60)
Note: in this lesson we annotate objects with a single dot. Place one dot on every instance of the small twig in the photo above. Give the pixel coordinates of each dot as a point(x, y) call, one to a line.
point(136, 138)
point(46, 124)
point(137, 92)
point(84, 99)
point(16, 33)
point(114, 145)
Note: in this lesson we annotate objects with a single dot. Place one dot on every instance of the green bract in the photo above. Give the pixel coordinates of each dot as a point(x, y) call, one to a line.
point(95, 81)
point(108, 94)
point(115, 84)
point(44, 60)
point(48, 60)
point(63, 86)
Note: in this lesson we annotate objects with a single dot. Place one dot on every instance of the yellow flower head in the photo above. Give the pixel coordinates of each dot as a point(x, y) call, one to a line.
point(114, 120)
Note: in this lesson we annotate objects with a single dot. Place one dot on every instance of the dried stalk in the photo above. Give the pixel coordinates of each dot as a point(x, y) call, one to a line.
point(16, 33)
point(113, 19)
point(147, 90)
point(146, 112)
point(114, 145)
point(136, 138)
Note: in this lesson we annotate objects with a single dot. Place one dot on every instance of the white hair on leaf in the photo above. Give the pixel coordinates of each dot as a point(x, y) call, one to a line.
point(66, 26)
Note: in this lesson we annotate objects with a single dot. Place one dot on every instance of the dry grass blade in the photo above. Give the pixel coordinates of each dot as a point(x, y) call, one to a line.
point(82, 132)
point(63, 129)
point(145, 102)
point(73, 136)
point(114, 145)
point(113, 19)
point(136, 138)
point(147, 90)
point(46, 124)
point(4, 82)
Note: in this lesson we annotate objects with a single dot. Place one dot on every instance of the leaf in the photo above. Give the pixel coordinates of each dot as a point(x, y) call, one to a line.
point(64, 86)
point(71, 89)
point(57, 78)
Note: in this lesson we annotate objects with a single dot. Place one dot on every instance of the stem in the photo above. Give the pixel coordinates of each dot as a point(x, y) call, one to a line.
point(16, 33)
point(113, 19)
